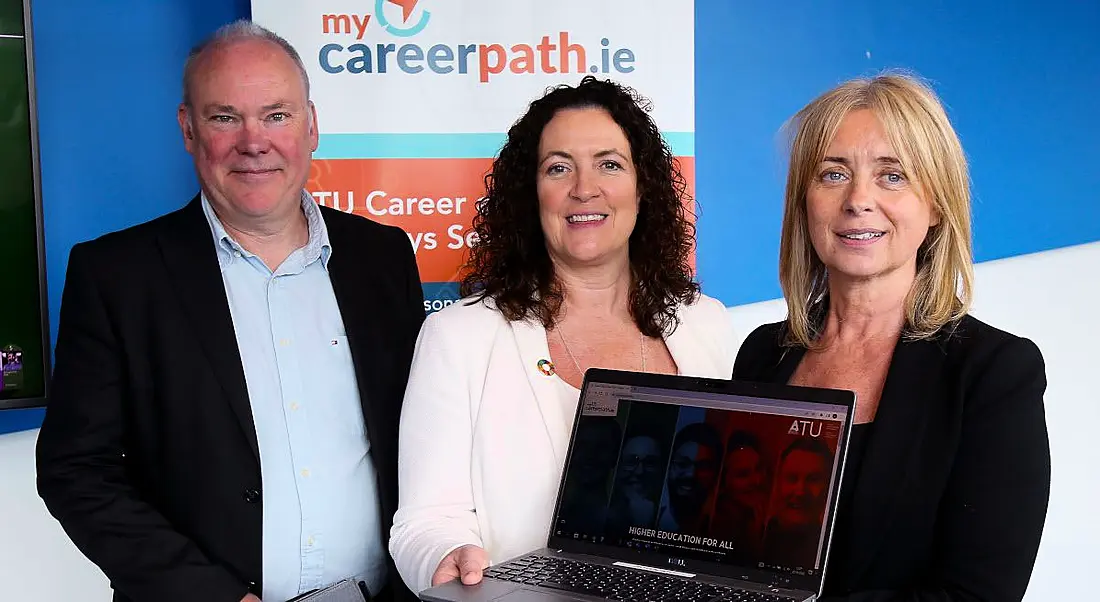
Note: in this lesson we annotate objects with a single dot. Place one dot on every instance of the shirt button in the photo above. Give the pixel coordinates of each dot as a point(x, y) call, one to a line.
point(251, 495)
point(309, 542)
point(284, 342)
point(294, 406)
point(305, 473)
point(236, 253)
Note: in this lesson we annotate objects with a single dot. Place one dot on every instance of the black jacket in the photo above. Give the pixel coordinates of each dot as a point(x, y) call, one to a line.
point(148, 454)
point(951, 498)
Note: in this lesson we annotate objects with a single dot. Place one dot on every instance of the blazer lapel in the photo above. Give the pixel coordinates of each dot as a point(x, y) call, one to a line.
point(690, 358)
point(362, 324)
point(894, 447)
point(191, 258)
point(531, 343)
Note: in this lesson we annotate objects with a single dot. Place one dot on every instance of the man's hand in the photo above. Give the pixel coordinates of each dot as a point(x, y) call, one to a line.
point(250, 598)
point(466, 563)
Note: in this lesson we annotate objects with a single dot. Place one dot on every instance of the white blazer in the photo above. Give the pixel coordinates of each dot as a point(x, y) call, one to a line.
point(484, 433)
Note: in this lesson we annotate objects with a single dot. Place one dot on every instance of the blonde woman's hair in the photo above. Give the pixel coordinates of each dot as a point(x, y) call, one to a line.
point(930, 153)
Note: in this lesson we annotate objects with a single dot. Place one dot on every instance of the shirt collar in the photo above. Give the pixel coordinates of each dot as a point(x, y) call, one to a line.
point(317, 247)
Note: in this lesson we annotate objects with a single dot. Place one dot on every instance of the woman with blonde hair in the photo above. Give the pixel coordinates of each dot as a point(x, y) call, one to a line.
point(948, 472)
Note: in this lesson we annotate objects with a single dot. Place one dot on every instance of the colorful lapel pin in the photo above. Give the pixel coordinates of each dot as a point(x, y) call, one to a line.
point(546, 367)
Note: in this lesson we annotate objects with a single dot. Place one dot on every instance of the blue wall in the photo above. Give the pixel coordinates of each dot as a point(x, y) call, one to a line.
point(1020, 81)
point(1020, 78)
point(108, 83)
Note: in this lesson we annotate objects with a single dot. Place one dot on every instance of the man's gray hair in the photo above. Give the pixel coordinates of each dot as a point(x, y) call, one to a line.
point(237, 31)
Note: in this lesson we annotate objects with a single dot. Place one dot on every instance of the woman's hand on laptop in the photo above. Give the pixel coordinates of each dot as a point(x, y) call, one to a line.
point(465, 563)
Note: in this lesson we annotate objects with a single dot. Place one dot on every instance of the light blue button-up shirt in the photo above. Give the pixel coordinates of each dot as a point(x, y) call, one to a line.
point(320, 499)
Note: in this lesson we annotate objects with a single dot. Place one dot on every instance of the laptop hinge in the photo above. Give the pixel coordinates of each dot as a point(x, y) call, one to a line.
point(654, 569)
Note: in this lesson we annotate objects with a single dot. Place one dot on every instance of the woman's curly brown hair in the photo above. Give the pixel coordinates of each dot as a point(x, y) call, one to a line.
point(510, 263)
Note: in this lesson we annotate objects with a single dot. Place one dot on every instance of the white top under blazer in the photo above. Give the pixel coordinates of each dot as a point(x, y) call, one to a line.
point(484, 433)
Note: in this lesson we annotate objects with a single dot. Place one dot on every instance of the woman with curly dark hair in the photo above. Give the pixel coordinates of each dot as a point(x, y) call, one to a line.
point(583, 260)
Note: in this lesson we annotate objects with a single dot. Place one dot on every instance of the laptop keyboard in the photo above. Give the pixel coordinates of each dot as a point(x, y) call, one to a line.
point(619, 584)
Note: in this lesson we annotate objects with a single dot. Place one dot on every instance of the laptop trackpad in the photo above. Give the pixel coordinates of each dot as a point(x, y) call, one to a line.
point(529, 595)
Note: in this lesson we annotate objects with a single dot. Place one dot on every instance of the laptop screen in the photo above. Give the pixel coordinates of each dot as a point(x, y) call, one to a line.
point(703, 475)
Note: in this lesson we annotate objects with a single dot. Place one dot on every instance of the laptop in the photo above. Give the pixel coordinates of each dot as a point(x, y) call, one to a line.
point(683, 489)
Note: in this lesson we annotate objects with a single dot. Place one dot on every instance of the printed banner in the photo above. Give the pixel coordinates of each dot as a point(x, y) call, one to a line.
point(414, 98)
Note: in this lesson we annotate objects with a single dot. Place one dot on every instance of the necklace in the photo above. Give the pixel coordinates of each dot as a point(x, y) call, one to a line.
point(561, 335)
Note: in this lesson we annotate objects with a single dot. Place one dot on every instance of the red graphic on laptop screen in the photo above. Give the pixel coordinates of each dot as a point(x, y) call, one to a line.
point(738, 487)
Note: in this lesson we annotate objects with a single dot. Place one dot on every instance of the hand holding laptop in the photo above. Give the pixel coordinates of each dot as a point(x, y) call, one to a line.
point(466, 563)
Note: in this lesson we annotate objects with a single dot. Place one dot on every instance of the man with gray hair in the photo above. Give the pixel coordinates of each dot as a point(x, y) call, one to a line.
point(229, 376)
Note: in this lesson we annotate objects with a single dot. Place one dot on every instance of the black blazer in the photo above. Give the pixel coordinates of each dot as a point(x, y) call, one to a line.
point(951, 497)
point(148, 454)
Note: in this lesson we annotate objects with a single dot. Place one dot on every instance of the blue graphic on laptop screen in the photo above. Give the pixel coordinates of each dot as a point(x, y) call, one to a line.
point(736, 487)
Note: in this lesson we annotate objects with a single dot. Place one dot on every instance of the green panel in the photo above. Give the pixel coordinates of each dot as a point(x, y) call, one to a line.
point(21, 336)
point(11, 17)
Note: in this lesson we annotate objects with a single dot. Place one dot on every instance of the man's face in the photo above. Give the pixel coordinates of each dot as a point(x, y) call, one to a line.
point(801, 489)
point(250, 129)
point(639, 467)
point(693, 473)
point(593, 455)
point(744, 480)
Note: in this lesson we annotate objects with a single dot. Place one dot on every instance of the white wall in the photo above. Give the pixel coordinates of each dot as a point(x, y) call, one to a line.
point(1052, 298)
point(37, 561)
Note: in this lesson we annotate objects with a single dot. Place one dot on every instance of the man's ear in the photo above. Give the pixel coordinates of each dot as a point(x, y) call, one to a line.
point(183, 116)
point(314, 134)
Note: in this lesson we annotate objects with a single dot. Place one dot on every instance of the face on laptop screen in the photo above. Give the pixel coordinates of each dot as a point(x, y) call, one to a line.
point(704, 476)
